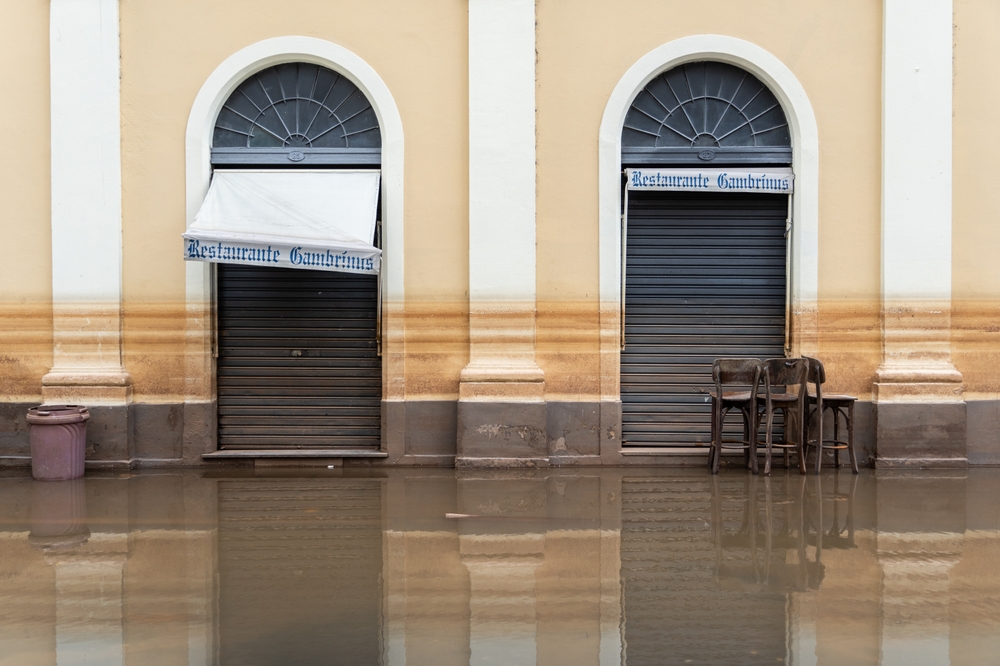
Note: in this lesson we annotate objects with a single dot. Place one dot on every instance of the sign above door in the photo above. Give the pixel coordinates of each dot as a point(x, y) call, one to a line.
point(769, 181)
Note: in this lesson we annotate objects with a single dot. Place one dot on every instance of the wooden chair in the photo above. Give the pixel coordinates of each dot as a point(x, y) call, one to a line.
point(842, 407)
point(780, 375)
point(731, 372)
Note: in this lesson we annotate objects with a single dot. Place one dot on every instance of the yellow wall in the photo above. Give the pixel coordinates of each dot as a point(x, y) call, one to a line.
point(976, 198)
point(169, 49)
point(833, 48)
point(420, 51)
point(26, 265)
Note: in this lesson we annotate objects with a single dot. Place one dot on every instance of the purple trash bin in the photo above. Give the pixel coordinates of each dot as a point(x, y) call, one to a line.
point(58, 437)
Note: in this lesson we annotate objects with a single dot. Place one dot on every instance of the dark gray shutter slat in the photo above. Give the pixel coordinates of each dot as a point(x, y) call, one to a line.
point(298, 359)
point(705, 278)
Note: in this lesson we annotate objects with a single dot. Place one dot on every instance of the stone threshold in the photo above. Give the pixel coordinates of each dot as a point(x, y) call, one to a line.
point(668, 451)
point(293, 457)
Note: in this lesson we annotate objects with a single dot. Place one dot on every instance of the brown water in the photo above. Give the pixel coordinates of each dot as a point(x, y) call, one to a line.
point(551, 567)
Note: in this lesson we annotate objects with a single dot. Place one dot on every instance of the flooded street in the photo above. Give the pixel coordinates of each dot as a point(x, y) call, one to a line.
point(609, 566)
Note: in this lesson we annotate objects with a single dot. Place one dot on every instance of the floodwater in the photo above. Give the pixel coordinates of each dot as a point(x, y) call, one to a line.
point(559, 567)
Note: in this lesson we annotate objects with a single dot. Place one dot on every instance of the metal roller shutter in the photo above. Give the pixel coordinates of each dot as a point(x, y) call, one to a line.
point(705, 278)
point(298, 359)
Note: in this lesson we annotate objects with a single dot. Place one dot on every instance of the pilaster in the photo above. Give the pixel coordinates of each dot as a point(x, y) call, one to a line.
point(501, 410)
point(920, 410)
point(86, 207)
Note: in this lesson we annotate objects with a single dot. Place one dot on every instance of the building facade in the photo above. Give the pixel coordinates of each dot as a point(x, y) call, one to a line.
point(524, 304)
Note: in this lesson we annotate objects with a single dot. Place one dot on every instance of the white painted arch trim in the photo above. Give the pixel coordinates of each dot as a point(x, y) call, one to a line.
point(261, 55)
point(208, 103)
point(804, 278)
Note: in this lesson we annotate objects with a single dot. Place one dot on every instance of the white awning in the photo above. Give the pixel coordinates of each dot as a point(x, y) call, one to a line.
point(322, 220)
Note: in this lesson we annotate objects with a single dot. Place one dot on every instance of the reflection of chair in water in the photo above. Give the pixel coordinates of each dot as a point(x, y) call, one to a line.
point(770, 525)
point(783, 532)
point(777, 517)
point(839, 536)
point(743, 539)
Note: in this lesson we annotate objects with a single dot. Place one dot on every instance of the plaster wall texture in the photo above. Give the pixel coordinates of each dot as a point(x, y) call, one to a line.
point(420, 52)
point(26, 266)
point(834, 50)
point(975, 280)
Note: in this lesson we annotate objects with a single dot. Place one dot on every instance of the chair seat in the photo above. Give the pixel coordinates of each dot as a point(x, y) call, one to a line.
point(731, 396)
point(780, 397)
point(839, 398)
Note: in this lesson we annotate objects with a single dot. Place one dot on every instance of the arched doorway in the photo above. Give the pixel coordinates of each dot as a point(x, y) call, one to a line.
point(298, 355)
point(706, 243)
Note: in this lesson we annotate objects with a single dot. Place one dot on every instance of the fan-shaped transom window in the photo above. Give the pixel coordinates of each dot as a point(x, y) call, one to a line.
point(706, 111)
point(297, 112)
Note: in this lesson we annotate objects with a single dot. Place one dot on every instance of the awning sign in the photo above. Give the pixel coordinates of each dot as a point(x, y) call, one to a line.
point(279, 253)
point(770, 181)
point(321, 220)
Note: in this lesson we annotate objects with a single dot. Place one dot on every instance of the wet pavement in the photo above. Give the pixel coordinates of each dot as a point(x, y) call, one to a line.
point(441, 567)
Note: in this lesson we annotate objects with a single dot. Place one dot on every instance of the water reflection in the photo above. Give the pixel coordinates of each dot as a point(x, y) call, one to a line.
point(545, 567)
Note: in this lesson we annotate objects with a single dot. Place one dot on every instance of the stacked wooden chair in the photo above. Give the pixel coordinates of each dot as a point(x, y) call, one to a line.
point(783, 375)
point(760, 389)
point(841, 408)
point(736, 381)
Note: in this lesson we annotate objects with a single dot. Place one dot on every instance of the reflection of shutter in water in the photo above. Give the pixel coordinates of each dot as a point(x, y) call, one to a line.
point(675, 612)
point(705, 278)
point(298, 359)
point(299, 571)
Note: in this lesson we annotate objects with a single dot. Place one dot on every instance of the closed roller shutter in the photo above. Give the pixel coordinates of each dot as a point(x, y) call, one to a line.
point(705, 278)
point(298, 358)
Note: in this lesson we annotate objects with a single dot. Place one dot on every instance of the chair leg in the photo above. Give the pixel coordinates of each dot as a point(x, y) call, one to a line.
point(819, 437)
point(769, 442)
point(750, 436)
point(718, 437)
point(850, 438)
point(746, 439)
point(711, 443)
point(836, 434)
point(801, 444)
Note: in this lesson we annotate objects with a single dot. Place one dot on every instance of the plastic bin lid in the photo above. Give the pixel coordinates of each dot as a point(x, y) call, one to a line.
point(57, 414)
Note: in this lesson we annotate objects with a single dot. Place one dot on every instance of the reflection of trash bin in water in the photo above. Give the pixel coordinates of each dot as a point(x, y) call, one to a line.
point(58, 441)
point(58, 515)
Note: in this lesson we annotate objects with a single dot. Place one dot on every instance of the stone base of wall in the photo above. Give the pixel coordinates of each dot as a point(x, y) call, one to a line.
point(556, 434)
point(136, 435)
point(921, 435)
point(502, 434)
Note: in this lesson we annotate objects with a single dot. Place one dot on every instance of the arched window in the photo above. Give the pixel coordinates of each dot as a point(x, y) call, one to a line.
point(706, 112)
point(297, 113)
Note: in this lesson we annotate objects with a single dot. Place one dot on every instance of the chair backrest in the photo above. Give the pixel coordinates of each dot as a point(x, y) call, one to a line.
point(787, 372)
point(743, 371)
point(817, 373)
